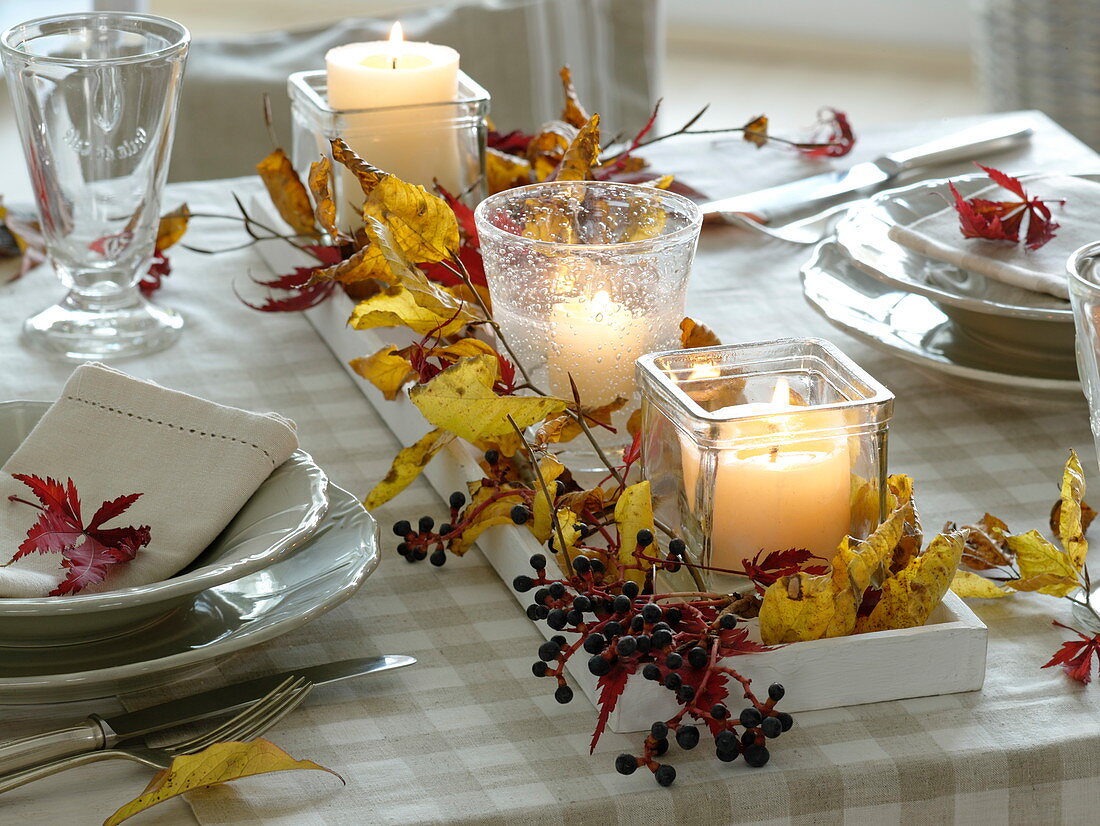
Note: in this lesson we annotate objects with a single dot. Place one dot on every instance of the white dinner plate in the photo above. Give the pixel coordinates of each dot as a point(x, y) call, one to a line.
point(912, 327)
point(320, 575)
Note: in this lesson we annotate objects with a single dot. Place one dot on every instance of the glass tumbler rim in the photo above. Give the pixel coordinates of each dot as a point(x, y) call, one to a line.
point(1075, 263)
point(689, 230)
point(180, 37)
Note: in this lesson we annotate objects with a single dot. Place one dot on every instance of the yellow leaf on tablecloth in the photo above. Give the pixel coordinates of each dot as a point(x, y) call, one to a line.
point(408, 464)
point(542, 526)
point(1043, 567)
point(696, 334)
point(756, 131)
point(220, 763)
point(909, 596)
point(396, 307)
point(287, 192)
point(582, 154)
point(320, 184)
point(461, 400)
point(488, 516)
point(504, 171)
point(386, 370)
point(969, 584)
point(367, 175)
point(1071, 531)
point(172, 226)
point(424, 227)
point(633, 513)
point(574, 112)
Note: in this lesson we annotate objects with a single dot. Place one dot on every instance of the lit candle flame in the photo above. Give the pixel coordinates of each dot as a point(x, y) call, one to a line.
point(397, 35)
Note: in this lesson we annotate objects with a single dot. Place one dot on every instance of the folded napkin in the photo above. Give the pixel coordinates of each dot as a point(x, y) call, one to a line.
point(1042, 270)
point(194, 462)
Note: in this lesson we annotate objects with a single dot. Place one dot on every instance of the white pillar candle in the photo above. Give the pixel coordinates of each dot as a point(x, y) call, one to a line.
point(596, 341)
point(789, 490)
point(416, 145)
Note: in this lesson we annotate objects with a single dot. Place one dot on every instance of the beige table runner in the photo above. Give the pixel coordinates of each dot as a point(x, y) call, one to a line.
point(468, 736)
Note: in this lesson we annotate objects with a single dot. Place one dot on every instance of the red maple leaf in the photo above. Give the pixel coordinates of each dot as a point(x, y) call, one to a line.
point(511, 143)
point(777, 564)
point(833, 136)
point(1075, 656)
point(87, 551)
point(302, 291)
point(1002, 220)
point(611, 687)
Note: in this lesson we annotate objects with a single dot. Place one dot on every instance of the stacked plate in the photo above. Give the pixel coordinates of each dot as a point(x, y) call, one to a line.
point(298, 547)
point(934, 313)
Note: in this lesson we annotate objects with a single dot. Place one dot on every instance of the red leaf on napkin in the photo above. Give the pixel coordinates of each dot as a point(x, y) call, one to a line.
point(87, 552)
point(1002, 220)
point(1075, 656)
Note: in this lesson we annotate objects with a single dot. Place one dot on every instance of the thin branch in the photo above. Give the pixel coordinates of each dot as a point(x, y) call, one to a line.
point(579, 417)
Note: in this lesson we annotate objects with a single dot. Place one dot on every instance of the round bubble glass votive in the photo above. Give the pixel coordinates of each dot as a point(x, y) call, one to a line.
point(585, 277)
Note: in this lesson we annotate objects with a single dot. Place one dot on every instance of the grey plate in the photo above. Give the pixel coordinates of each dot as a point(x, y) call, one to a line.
point(914, 328)
point(283, 512)
point(320, 575)
point(864, 235)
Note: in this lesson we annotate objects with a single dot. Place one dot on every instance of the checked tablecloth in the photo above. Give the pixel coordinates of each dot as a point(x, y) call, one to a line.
point(468, 735)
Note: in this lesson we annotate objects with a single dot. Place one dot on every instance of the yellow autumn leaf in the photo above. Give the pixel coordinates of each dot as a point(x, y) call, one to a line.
point(488, 516)
point(365, 263)
point(756, 131)
point(386, 370)
point(581, 155)
point(461, 400)
point(407, 465)
point(220, 763)
point(504, 171)
point(1070, 530)
point(574, 112)
point(320, 184)
point(547, 147)
point(172, 226)
point(423, 226)
point(464, 348)
point(367, 175)
point(1043, 567)
point(909, 596)
point(695, 334)
point(396, 307)
point(811, 607)
point(402, 272)
point(287, 192)
point(969, 584)
point(633, 512)
point(664, 182)
point(565, 428)
point(542, 526)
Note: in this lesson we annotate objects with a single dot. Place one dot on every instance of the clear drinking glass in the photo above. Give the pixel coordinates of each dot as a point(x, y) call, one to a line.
point(1084, 295)
point(587, 276)
point(95, 97)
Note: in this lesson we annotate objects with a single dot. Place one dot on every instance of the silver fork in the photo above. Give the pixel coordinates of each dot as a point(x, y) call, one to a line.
point(253, 721)
point(803, 231)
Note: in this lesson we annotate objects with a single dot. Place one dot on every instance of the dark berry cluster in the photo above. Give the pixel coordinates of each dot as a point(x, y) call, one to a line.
point(677, 645)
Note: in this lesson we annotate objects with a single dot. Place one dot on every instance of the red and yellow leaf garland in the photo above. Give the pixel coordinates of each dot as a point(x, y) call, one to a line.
point(88, 551)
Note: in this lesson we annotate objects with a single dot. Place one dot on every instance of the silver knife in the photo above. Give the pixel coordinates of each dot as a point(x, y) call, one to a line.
point(820, 191)
point(95, 732)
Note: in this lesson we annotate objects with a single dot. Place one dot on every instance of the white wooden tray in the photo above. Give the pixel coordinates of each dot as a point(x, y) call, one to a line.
point(945, 656)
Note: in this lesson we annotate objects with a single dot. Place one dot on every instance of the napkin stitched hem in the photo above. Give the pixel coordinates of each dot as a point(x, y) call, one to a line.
point(130, 414)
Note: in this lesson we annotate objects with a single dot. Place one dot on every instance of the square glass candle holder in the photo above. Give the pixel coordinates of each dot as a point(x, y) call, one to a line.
point(420, 144)
point(762, 447)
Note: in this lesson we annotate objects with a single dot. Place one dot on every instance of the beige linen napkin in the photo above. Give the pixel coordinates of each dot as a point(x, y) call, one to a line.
point(194, 462)
point(1042, 270)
